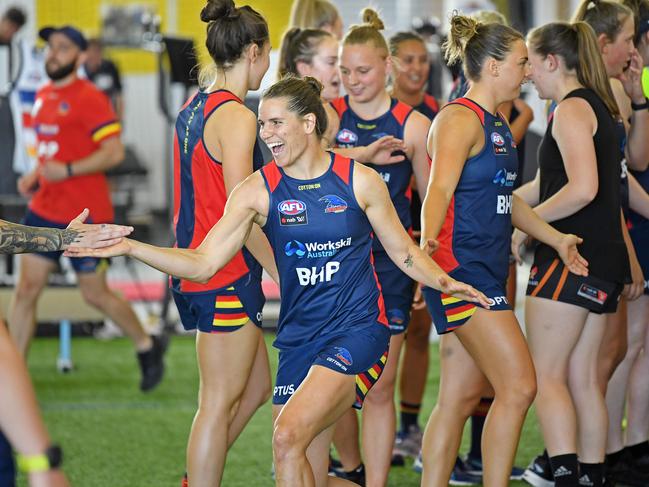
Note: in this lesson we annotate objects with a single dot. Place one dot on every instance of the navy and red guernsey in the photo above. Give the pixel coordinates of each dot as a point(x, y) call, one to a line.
point(322, 242)
point(355, 131)
point(476, 233)
point(428, 106)
point(199, 189)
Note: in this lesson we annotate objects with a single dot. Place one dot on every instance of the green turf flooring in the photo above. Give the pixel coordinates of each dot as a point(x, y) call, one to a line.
point(115, 436)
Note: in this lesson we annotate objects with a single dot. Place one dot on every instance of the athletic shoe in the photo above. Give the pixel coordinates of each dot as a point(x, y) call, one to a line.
point(408, 443)
point(184, 482)
point(625, 472)
point(539, 473)
point(418, 465)
point(641, 464)
point(459, 475)
point(474, 467)
point(152, 363)
point(357, 475)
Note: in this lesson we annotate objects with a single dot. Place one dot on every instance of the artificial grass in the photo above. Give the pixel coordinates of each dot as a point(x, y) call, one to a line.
point(115, 436)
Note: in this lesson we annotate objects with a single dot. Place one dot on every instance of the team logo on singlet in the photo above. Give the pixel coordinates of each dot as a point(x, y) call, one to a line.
point(505, 178)
point(292, 212)
point(316, 250)
point(498, 142)
point(296, 248)
point(334, 204)
point(346, 136)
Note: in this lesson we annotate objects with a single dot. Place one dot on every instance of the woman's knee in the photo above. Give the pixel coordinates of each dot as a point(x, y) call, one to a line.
point(382, 392)
point(518, 392)
point(288, 440)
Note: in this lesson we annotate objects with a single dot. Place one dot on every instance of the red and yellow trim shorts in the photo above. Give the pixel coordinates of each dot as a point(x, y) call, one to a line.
point(223, 310)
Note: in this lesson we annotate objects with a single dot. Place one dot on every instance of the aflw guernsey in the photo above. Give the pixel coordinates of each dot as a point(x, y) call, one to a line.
point(598, 223)
point(322, 243)
point(476, 233)
point(355, 131)
point(199, 189)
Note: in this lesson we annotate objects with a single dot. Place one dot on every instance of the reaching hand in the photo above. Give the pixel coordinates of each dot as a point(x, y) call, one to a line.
point(81, 235)
point(450, 286)
point(518, 240)
point(567, 249)
point(386, 150)
point(123, 247)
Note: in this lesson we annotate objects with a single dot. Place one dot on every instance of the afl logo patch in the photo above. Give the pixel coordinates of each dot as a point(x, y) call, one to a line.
point(292, 212)
point(497, 139)
point(335, 204)
point(346, 136)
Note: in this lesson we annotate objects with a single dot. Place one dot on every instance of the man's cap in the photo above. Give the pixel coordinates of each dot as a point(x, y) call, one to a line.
point(70, 32)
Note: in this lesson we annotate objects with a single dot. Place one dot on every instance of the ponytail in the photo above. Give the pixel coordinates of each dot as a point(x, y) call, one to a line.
point(577, 45)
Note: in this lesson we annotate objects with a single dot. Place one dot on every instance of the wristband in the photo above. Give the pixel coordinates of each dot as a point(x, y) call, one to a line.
point(51, 459)
point(641, 106)
point(68, 168)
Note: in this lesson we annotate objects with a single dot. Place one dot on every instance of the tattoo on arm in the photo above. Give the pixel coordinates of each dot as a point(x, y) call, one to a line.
point(408, 261)
point(17, 239)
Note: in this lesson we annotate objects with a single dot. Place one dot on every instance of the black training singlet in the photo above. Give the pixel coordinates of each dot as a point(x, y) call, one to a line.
point(598, 223)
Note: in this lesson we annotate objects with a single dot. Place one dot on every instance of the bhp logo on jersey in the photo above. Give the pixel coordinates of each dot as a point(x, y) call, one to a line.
point(295, 248)
point(504, 205)
point(335, 204)
point(346, 136)
point(314, 275)
point(292, 212)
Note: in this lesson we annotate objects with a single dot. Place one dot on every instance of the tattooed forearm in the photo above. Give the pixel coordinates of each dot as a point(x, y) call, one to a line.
point(408, 261)
point(17, 239)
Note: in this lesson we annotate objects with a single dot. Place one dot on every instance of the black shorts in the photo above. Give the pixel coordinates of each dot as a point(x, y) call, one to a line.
point(553, 280)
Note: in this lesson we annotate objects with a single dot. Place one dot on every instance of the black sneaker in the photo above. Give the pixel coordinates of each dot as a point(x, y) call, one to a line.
point(152, 363)
point(625, 472)
point(474, 467)
point(357, 475)
point(539, 472)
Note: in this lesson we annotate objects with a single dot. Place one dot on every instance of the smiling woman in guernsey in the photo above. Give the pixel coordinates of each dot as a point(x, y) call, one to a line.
point(318, 210)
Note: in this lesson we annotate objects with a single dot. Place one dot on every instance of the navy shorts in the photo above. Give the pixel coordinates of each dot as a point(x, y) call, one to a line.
point(80, 264)
point(222, 310)
point(398, 291)
point(362, 353)
point(449, 312)
point(552, 280)
point(640, 238)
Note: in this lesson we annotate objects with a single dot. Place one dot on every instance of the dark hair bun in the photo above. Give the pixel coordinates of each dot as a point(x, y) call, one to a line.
point(216, 9)
point(314, 84)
